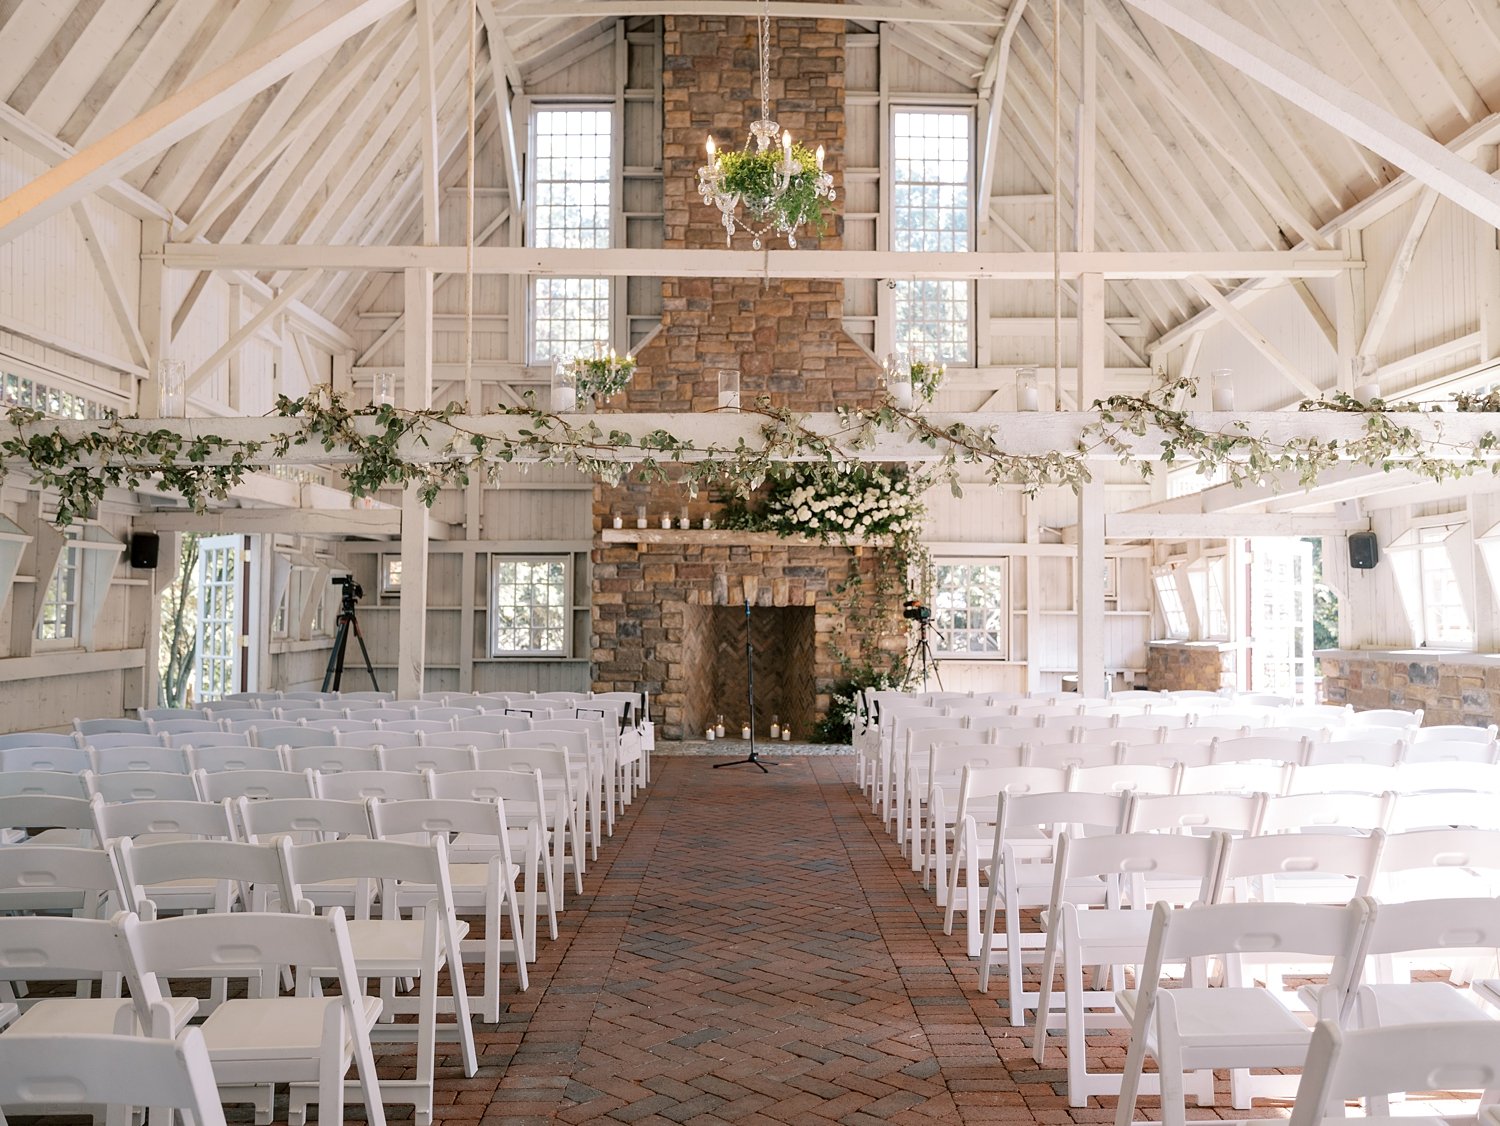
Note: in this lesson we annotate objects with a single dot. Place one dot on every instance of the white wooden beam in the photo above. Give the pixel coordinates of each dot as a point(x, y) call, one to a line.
point(1395, 280)
point(995, 68)
point(780, 9)
point(1331, 102)
point(1316, 312)
point(427, 118)
point(506, 72)
point(180, 114)
point(635, 262)
point(271, 309)
point(1263, 345)
point(1215, 526)
point(296, 521)
point(114, 292)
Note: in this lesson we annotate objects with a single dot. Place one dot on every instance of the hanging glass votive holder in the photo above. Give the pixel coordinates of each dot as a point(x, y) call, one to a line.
point(729, 389)
point(1221, 380)
point(383, 389)
point(898, 382)
point(172, 375)
point(564, 396)
point(1027, 396)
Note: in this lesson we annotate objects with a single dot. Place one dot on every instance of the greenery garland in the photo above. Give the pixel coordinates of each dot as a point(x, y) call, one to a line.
point(752, 176)
point(203, 468)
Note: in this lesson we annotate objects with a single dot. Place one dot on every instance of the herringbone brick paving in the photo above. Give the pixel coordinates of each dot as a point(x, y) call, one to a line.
point(752, 949)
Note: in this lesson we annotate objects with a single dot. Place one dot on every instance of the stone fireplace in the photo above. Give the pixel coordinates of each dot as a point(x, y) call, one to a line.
point(665, 603)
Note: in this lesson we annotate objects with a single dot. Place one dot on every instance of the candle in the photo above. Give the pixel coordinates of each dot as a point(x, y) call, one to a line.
point(900, 391)
point(719, 728)
point(786, 734)
point(640, 516)
point(786, 143)
point(1222, 381)
point(666, 522)
point(710, 147)
point(1367, 392)
point(619, 523)
point(745, 732)
point(1026, 392)
point(564, 399)
point(708, 522)
point(709, 734)
point(775, 727)
point(820, 158)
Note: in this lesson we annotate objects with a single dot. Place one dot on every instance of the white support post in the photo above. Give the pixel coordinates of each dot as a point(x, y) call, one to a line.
point(411, 657)
point(236, 313)
point(1089, 574)
point(1487, 256)
point(427, 112)
point(155, 323)
point(1349, 314)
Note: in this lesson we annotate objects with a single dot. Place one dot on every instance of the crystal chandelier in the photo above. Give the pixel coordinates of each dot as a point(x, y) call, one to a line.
point(777, 194)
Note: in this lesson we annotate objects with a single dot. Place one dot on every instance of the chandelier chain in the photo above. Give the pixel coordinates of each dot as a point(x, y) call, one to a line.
point(765, 62)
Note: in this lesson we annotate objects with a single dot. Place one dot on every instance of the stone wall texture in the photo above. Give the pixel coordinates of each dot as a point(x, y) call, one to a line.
point(1189, 668)
point(1446, 691)
point(787, 339)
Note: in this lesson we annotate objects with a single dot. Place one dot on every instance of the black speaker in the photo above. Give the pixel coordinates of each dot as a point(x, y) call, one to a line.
point(1364, 552)
point(144, 548)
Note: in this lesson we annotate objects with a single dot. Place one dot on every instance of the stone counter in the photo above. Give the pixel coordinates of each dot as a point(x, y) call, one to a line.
point(1450, 687)
point(1190, 666)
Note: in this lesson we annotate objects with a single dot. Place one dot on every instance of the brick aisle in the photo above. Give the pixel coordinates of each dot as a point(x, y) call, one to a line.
point(753, 950)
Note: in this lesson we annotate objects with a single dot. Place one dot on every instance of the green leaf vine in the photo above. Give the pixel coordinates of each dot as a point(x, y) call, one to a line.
point(374, 446)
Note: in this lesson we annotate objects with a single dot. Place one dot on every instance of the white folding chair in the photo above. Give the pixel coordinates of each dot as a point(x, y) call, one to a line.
point(377, 738)
point(1375, 1063)
point(562, 817)
point(1197, 1028)
point(143, 786)
point(1357, 745)
point(89, 727)
point(46, 819)
point(255, 1042)
point(440, 758)
point(1236, 814)
point(36, 739)
point(331, 760)
point(360, 785)
point(1356, 813)
point(1185, 753)
point(482, 874)
point(215, 759)
point(1067, 756)
point(1394, 718)
point(1236, 778)
point(70, 760)
point(47, 1073)
point(414, 876)
point(36, 878)
point(1119, 779)
point(1097, 916)
point(275, 734)
point(1439, 864)
point(1259, 747)
point(53, 782)
point(254, 785)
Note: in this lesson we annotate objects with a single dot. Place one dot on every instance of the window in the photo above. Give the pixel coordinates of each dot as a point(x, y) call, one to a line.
point(22, 391)
point(59, 621)
point(1206, 580)
point(572, 179)
point(1169, 600)
point(529, 606)
point(390, 574)
point(1430, 589)
point(931, 209)
point(969, 609)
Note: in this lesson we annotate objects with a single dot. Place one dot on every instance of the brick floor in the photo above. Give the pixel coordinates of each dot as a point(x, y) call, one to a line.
point(752, 949)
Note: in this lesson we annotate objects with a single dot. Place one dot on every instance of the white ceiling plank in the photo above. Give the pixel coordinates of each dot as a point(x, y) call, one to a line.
point(140, 71)
point(1356, 117)
point(505, 71)
point(1451, 77)
point(189, 301)
point(179, 115)
point(167, 178)
point(273, 308)
point(993, 101)
point(1214, 133)
point(27, 34)
point(1242, 325)
point(1395, 280)
point(314, 113)
point(120, 306)
point(71, 79)
point(28, 138)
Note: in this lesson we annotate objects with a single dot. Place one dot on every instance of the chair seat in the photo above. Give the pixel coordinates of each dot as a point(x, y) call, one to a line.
point(92, 1016)
point(1416, 1002)
point(390, 947)
point(1128, 930)
point(1236, 1020)
point(257, 1030)
point(476, 875)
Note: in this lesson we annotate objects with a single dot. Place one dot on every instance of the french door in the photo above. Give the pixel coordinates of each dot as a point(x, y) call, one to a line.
point(221, 617)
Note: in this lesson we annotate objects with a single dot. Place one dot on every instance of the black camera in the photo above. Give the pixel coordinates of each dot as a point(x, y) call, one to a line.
point(914, 611)
point(352, 590)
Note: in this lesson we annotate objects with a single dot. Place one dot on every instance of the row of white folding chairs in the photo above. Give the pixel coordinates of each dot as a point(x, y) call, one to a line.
point(487, 814)
point(416, 935)
point(29, 798)
point(981, 833)
point(1225, 796)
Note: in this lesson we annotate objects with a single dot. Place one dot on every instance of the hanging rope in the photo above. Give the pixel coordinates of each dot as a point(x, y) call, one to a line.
point(469, 397)
point(1057, 293)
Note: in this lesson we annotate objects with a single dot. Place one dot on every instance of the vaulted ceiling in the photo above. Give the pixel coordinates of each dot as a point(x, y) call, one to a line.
point(1192, 154)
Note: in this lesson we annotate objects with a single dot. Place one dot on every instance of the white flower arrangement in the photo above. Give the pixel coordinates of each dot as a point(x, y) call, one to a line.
point(843, 502)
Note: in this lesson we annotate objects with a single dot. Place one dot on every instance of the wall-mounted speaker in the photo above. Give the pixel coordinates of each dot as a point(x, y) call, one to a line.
point(144, 549)
point(1364, 552)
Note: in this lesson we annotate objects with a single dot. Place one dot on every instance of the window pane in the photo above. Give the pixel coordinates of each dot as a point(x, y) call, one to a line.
point(568, 316)
point(969, 608)
point(530, 606)
point(571, 195)
point(932, 167)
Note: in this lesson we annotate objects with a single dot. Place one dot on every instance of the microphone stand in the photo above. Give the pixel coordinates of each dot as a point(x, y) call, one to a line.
point(753, 759)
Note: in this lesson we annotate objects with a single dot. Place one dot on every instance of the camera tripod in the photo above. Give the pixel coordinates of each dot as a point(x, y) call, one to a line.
point(333, 675)
point(921, 661)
